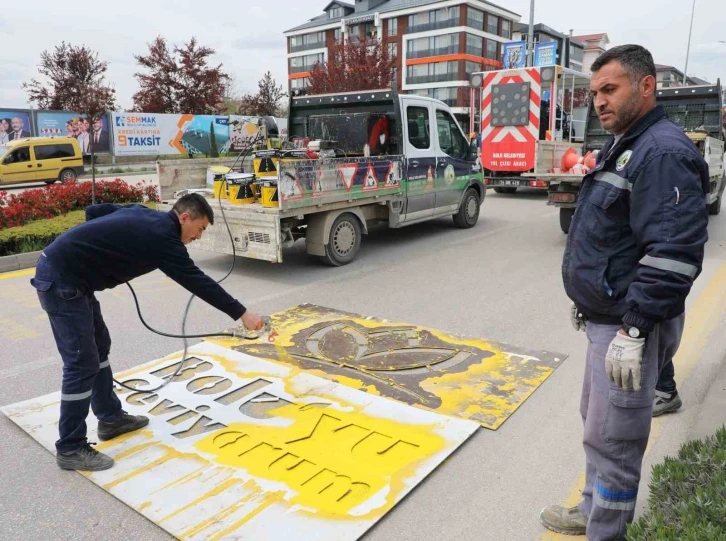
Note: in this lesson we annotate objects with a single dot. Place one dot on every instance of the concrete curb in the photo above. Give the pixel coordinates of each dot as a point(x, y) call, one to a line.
point(712, 414)
point(17, 262)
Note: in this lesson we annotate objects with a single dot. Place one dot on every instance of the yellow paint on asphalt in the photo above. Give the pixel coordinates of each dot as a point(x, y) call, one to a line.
point(16, 274)
point(702, 320)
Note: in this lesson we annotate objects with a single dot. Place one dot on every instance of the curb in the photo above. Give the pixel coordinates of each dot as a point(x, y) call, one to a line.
point(712, 414)
point(17, 262)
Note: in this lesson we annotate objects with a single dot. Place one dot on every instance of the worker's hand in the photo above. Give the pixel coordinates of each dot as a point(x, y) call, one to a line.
point(252, 321)
point(625, 359)
point(577, 319)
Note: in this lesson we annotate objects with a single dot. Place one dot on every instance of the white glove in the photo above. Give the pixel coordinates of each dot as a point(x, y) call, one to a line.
point(576, 318)
point(624, 359)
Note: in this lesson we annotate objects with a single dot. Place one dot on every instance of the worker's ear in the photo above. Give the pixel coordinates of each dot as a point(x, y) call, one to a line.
point(648, 86)
point(184, 217)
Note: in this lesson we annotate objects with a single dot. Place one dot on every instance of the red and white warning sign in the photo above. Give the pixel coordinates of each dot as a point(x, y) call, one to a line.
point(318, 187)
point(370, 182)
point(290, 188)
point(347, 172)
point(393, 175)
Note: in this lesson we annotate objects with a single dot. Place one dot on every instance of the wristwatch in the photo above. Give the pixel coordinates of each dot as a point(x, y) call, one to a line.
point(634, 332)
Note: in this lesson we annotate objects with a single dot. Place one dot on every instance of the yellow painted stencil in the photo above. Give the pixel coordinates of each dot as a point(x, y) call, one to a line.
point(469, 378)
point(333, 460)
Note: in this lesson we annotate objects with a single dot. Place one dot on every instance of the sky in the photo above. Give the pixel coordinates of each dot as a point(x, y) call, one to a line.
point(247, 34)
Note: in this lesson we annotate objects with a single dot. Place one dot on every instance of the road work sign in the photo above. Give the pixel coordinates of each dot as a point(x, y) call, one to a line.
point(468, 378)
point(243, 448)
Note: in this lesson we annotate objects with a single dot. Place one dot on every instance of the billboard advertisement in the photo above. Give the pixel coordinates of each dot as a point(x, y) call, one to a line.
point(243, 130)
point(514, 54)
point(86, 130)
point(14, 124)
point(139, 134)
point(545, 54)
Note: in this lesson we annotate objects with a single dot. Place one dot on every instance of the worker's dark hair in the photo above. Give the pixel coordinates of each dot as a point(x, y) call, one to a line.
point(635, 59)
point(196, 206)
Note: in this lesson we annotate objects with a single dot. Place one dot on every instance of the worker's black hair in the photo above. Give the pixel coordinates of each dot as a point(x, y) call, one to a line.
point(196, 205)
point(635, 59)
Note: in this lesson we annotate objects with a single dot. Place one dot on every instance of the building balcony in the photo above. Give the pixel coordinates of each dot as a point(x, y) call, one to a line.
point(301, 69)
point(307, 47)
point(424, 53)
point(477, 25)
point(438, 25)
point(475, 51)
point(440, 78)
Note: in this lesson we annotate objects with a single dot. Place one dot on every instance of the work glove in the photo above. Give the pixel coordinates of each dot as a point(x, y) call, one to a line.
point(625, 359)
point(577, 319)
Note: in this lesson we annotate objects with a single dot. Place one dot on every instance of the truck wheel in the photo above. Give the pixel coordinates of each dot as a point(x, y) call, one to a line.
point(715, 208)
point(344, 243)
point(566, 219)
point(501, 189)
point(468, 213)
point(67, 174)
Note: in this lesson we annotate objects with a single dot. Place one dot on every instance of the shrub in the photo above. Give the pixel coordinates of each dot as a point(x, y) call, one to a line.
point(58, 199)
point(687, 495)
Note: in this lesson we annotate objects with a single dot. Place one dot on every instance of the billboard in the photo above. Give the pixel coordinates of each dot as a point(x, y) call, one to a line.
point(14, 124)
point(545, 54)
point(514, 54)
point(243, 130)
point(139, 134)
point(86, 130)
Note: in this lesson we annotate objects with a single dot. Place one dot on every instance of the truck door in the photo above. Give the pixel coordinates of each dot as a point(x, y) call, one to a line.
point(452, 167)
point(420, 159)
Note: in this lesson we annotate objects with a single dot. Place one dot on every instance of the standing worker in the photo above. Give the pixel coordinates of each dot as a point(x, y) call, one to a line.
point(634, 249)
point(115, 245)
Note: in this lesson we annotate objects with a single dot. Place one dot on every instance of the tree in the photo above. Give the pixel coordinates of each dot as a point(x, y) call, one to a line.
point(267, 100)
point(76, 81)
point(179, 80)
point(213, 150)
point(354, 66)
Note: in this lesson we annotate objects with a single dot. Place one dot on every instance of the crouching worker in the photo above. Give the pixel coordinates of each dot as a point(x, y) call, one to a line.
point(114, 246)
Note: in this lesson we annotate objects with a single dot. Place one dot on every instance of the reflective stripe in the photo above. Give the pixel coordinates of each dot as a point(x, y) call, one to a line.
point(617, 506)
point(74, 397)
point(614, 180)
point(670, 265)
point(104, 364)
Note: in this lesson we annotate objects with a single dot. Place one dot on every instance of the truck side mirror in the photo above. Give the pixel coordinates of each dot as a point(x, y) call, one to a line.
point(473, 150)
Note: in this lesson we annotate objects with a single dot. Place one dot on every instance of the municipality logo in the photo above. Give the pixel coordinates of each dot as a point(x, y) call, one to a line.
point(120, 122)
point(623, 160)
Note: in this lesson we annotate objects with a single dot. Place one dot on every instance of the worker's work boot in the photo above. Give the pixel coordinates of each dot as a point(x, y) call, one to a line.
point(127, 423)
point(666, 403)
point(84, 459)
point(563, 520)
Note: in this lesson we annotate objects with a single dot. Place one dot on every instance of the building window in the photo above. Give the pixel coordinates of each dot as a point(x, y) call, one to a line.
point(392, 49)
point(475, 19)
point(303, 82)
point(308, 41)
point(474, 45)
point(492, 24)
point(472, 67)
point(336, 12)
point(371, 31)
point(418, 127)
point(337, 36)
point(492, 49)
point(506, 29)
point(392, 27)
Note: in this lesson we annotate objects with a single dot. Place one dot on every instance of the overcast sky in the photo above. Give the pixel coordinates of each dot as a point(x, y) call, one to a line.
point(247, 34)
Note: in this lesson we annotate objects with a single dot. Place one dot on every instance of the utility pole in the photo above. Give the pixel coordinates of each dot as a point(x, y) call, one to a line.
point(530, 43)
point(688, 49)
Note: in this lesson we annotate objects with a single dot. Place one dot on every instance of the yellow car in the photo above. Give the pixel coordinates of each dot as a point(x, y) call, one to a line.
point(40, 159)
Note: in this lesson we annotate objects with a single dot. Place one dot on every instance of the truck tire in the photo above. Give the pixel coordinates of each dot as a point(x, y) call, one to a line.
point(502, 189)
point(566, 219)
point(715, 208)
point(344, 243)
point(67, 174)
point(468, 213)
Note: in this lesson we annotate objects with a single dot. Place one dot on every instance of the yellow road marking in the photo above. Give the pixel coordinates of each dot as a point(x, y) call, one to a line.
point(17, 274)
point(702, 319)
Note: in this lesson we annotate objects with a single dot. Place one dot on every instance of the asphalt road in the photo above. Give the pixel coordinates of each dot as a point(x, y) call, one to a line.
point(500, 281)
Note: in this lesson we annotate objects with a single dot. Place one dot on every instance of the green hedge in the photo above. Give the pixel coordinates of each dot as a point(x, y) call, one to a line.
point(687, 495)
point(39, 234)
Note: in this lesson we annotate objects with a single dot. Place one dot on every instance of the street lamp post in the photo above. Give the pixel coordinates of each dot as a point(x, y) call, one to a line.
point(530, 43)
point(688, 49)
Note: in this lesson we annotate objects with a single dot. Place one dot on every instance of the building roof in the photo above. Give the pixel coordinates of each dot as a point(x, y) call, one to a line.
point(341, 4)
point(699, 81)
point(387, 6)
point(591, 37)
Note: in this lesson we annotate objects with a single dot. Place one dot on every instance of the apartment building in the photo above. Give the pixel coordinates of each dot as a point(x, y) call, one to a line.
point(570, 51)
point(667, 76)
point(438, 43)
point(595, 45)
